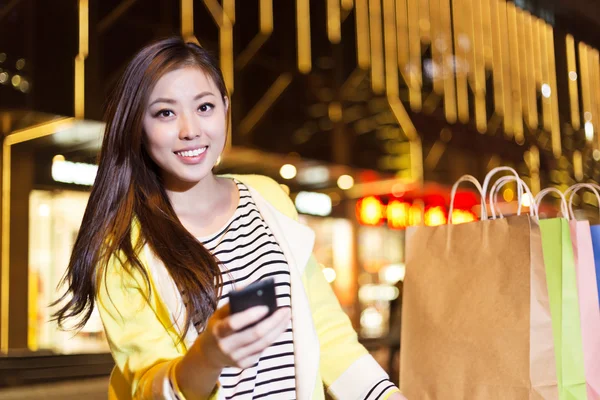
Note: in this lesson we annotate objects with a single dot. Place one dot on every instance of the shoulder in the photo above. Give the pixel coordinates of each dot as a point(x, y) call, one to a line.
point(271, 191)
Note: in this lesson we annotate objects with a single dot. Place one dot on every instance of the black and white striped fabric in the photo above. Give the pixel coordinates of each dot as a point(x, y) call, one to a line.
point(381, 390)
point(248, 252)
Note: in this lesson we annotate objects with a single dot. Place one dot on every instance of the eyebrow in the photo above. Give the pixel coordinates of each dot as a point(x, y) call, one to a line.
point(171, 101)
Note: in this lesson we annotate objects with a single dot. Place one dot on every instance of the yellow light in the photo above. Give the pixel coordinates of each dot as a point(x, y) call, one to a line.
point(596, 155)
point(546, 91)
point(369, 211)
point(415, 78)
point(79, 92)
point(390, 33)
point(24, 86)
point(362, 34)
point(529, 68)
point(402, 37)
point(16, 80)
point(285, 188)
point(448, 74)
point(226, 46)
point(398, 214)
point(345, 182)
point(3, 77)
point(58, 158)
point(375, 34)
point(515, 71)
point(503, 70)
point(266, 17)
point(462, 217)
point(44, 210)
point(288, 171)
point(187, 19)
point(578, 165)
point(20, 64)
point(330, 274)
point(347, 4)
point(573, 87)
point(435, 216)
point(334, 22)
point(229, 9)
point(392, 273)
point(508, 195)
point(555, 123)
point(335, 111)
point(303, 36)
point(589, 131)
point(415, 216)
point(586, 93)
point(458, 16)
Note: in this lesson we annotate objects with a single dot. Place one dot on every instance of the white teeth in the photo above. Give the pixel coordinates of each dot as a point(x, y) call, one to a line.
point(192, 153)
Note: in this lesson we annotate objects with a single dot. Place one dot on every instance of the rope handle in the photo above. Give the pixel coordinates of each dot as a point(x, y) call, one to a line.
point(474, 181)
point(563, 201)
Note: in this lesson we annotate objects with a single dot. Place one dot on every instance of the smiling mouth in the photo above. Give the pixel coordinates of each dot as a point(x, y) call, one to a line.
point(192, 153)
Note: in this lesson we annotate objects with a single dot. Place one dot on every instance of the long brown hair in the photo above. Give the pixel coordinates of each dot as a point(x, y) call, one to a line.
point(128, 187)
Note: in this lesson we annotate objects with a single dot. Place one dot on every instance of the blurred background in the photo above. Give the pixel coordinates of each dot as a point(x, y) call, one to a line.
point(366, 111)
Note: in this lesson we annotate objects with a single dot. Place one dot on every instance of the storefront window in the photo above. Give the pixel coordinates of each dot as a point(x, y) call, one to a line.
point(334, 251)
point(381, 261)
point(55, 218)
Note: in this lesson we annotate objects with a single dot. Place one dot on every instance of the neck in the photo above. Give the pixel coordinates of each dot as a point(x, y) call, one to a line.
point(198, 198)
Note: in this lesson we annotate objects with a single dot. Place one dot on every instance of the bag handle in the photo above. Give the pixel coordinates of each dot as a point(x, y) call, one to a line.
point(493, 172)
point(575, 188)
point(499, 184)
point(474, 181)
point(564, 210)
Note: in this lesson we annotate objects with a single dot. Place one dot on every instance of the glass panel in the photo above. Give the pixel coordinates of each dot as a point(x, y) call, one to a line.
point(55, 218)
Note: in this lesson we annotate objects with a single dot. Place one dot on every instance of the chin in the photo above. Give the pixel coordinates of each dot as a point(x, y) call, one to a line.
point(188, 179)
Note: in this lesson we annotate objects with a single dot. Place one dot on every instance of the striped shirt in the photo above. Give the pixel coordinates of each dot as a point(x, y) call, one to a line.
point(248, 252)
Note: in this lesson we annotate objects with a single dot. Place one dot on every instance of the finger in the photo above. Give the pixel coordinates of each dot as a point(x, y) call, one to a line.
point(250, 354)
point(261, 336)
point(248, 362)
point(235, 322)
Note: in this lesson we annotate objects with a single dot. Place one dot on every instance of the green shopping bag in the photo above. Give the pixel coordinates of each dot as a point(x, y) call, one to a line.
point(564, 307)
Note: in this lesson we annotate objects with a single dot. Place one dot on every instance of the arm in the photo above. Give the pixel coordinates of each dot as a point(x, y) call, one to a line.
point(144, 350)
point(153, 363)
point(347, 369)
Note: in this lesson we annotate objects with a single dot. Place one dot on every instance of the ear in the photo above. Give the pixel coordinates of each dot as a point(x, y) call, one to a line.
point(226, 103)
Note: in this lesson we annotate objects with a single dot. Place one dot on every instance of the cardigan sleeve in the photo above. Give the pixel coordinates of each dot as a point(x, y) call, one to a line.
point(144, 350)
point(347, 369)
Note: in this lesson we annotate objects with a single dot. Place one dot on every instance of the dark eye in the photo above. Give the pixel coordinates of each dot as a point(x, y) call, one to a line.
point(206, 107)
point(164, 113)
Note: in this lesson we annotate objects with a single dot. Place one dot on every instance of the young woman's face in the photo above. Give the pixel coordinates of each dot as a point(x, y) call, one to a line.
point(185, 126)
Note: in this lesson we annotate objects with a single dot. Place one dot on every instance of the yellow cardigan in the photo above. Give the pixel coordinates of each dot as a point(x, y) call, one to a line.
point(144, 325)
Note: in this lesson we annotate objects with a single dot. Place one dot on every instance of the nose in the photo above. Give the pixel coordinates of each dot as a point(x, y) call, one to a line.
point(188, 129)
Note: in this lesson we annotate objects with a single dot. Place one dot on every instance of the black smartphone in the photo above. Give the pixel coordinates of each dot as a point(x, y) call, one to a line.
point(260, 293)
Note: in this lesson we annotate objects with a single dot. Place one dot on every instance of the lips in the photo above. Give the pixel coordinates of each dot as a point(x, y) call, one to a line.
point(192, 153)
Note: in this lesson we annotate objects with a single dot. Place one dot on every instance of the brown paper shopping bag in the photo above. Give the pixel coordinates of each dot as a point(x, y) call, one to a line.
point(476, 321)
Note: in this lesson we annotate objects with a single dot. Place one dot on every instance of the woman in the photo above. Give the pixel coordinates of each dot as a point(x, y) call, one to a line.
point(164, 240)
